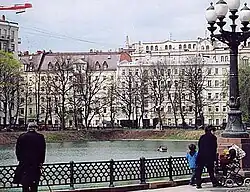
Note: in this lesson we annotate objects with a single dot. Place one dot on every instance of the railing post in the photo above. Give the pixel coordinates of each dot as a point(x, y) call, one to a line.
point(111, 173)
point(170, 168)
point(72, 174)
point(142, 170)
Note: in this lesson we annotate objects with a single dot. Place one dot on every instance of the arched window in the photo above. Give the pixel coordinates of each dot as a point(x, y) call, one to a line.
point(202, 47)
point(248, 44)
point(180, 47)
point(166, 47)
point(105, 65)
point(185, 46)
point(147, 48)
point(207, 47)
point(214, 58)
point(189, 46)
point(152, 48)
point(170, 47)
point(222, 58)
point(156, 48)
point(226, 58)
point(97, 65)
point(194, 46)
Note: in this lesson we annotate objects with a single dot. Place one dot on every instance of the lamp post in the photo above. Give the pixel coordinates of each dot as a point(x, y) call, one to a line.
point(233, 38)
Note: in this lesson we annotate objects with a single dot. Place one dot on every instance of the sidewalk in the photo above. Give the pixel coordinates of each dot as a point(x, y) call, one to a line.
point(205, 188)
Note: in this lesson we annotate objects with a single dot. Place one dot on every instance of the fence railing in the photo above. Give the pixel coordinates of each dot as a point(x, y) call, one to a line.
point(103, 171)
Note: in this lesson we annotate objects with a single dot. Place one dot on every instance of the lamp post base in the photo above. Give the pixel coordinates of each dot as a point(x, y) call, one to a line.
point(235, 127)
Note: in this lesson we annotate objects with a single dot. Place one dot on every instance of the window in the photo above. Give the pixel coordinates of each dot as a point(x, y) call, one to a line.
point(224, 109)
point(162, 72)
point(169, 121)
point(166, 47)
point(30, 100)
point(183, 96)
point(216, 71)
point(170, 47)
point(216, 83)
point(169, 72)
point(209, 71)
point(207, 48)
point(22, 100)
point(97, 65)
point(222, 58)
point(190, 121)
point(21, 111)
point(30, 111)
point(137, 72)
point(183, 108)
point(209, 95)
point(190, 108)
point(42, 110)
point(224, 95)
point(217, 108)
point(194, 46)
point(185, 46)
point(209, 108)
point(104, 77)
point(217, 95)
point(42, 89)
point(180, 46)
point(189, 46)
point(156, 48)
point(147, 48)
point(104, 110)
point(13, 47)
point(42, 78)
point(105, 65)
point(226, 58)
point(152, 48)
point(210, 121)
point(123, 72)
point(209, 83)
point(42, 99)
point(202, 48)
point(217, 121)
point(112, 77)
point(176, 71)
point(169, 109)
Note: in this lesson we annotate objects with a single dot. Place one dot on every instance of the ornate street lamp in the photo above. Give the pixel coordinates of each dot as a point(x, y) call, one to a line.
point(234, 128)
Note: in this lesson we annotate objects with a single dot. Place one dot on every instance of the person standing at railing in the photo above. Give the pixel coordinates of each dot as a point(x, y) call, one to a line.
point(30, 152)
point(191, 157)
point(206, 155)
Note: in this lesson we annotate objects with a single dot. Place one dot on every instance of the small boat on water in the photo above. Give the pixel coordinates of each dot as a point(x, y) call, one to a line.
point(162, 149)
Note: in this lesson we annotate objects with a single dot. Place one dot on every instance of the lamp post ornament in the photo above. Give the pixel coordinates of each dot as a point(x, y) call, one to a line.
point(233, 38)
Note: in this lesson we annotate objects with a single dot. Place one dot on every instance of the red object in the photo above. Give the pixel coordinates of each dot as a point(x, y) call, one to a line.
point(16, 7)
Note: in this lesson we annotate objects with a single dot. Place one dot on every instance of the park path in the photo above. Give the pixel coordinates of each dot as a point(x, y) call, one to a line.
point(205, 188)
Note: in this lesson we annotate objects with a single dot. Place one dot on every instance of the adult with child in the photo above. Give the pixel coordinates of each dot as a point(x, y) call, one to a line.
point(191, 157)
point(207, 154)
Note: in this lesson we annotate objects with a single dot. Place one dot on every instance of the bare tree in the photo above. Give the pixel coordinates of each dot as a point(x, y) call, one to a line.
point(88, 81)
point(62, 86)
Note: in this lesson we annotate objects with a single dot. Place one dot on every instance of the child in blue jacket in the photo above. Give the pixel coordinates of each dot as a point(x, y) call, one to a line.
point(191, 157)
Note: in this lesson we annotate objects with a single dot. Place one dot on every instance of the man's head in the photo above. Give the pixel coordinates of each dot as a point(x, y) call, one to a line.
point(32, 126)
point(209, 129)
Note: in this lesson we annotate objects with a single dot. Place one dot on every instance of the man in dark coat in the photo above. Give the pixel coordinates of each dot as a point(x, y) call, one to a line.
point(30, 152)
point(206, 155)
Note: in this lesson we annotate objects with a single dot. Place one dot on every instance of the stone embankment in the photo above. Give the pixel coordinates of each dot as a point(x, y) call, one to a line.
point(105, 135)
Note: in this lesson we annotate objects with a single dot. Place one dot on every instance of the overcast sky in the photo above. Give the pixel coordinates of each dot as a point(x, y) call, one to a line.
point(104, 24)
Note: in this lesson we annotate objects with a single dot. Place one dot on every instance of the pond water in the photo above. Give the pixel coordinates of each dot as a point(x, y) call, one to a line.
point(101, 150)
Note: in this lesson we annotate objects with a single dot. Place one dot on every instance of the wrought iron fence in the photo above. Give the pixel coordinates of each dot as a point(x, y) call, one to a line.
point(103, 171)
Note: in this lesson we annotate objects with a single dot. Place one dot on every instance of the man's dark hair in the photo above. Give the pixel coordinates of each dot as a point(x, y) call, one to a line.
point(209, 128)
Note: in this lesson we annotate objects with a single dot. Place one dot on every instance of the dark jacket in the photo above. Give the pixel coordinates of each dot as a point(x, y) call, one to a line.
point(207, 149)
point(30, 152)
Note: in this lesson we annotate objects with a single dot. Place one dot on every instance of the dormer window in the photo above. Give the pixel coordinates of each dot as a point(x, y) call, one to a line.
point(50, 66)
point(105, 65)
point(97, 65)
point(180, 46)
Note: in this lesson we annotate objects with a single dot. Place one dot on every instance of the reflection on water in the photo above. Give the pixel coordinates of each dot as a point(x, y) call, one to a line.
point(100, 150)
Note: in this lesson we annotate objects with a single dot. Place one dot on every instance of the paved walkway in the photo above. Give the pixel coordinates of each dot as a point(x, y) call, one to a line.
point(205, 188)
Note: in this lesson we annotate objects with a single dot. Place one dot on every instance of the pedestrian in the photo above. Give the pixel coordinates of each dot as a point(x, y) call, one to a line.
point(206, 155)
point(30, 153)
point(191, 157)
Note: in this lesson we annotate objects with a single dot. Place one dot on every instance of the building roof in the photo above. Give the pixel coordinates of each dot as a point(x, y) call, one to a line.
point(111, 59)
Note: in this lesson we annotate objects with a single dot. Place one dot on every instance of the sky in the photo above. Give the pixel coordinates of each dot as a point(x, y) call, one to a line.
point(81, 25)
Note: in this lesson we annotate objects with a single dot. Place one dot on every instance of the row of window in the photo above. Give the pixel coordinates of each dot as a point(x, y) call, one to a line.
point(170, 47)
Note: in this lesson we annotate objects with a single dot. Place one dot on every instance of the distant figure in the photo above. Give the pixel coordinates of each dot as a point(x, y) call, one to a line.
point(206, 155)
point(30, 152)
point(191, 157)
